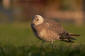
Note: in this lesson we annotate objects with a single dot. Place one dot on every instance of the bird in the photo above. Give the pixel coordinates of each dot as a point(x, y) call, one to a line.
point(50, 30)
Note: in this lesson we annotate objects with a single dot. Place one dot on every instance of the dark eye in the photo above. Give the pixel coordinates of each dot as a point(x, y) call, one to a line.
point(37, 19)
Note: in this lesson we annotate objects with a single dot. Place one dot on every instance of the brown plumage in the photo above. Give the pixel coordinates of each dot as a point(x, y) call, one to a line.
point(49, 30)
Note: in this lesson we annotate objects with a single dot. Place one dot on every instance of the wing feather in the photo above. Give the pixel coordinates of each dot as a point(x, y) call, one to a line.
point(54, 26)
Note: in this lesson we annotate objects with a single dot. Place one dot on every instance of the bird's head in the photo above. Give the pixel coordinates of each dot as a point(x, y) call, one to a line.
point(37, 20)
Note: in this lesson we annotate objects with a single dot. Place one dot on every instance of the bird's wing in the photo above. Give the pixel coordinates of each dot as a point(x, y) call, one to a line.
point(56, 27)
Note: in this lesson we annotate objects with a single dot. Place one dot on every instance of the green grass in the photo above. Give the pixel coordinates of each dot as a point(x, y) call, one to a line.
point(16, 34)
point(18, 40)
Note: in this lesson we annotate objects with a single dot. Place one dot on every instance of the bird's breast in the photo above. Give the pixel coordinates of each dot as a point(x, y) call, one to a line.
point(42, 33)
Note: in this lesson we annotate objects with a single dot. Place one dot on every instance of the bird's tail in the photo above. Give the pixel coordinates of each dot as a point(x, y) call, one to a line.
point(72, 34)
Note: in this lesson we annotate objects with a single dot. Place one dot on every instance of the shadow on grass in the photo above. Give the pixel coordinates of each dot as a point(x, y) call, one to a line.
point(61, 50)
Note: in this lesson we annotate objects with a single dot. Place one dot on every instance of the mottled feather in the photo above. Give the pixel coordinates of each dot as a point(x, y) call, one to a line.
point(49, 30)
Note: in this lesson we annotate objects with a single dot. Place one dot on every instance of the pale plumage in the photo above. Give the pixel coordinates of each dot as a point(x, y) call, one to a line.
point(49, 30)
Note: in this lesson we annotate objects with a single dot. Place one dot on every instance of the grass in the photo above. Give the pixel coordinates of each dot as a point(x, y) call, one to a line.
point(17, 39)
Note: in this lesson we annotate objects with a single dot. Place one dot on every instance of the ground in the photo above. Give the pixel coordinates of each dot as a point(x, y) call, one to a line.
point(20, 35)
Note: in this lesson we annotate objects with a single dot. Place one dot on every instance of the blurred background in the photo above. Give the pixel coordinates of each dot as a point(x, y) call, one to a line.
point(23, 10)
point(17, 38)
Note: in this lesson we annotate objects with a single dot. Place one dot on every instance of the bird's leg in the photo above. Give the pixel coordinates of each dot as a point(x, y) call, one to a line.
point(42, 46)
point(42, 43)
point(52, 43)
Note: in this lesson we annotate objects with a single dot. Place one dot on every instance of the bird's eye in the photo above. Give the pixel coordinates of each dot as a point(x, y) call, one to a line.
point(37, 19)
